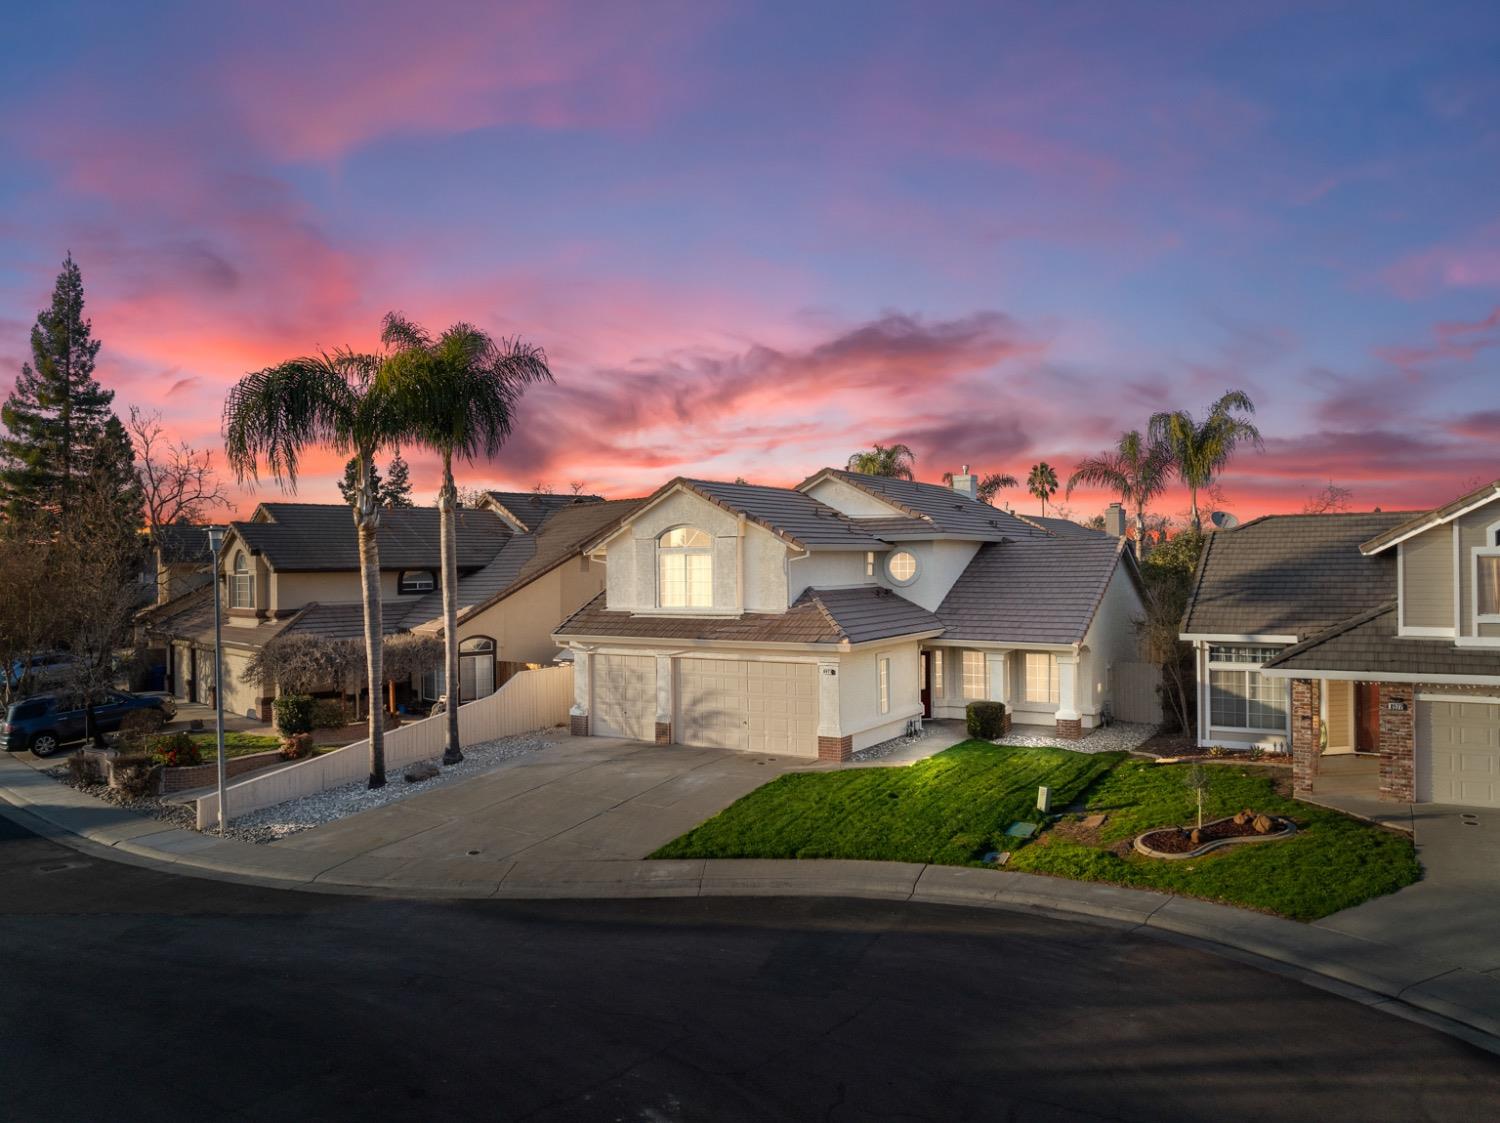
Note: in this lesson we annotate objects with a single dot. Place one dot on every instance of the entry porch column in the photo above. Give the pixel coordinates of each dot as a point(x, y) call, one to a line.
point(1069, 719)
point(583, 674)
point(666, 699)
point(833, 744)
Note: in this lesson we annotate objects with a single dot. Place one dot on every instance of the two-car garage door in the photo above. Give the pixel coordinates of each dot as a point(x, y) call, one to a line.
point(1458, 752)
point(625, 697)
point(745, 704)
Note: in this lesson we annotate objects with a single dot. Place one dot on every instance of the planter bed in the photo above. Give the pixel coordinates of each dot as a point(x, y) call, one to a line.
point(189, 776)
point(1176, 842)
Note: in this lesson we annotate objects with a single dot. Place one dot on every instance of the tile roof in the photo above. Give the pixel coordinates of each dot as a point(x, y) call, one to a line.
point(321, 536)
point(1038, 590)
point(871, 612)
point(531, 508)
point(524, 558)
point(1435, 517)
point(191, 617)
point(341, 621)
point(1290, 575)
point(804, 622)
point(1061, 527)
point(788, 512)
point(185, 542)
point(949, 511)
point(1368, 644)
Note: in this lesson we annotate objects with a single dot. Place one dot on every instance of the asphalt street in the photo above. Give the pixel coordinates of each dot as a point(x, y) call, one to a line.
point(131, 994)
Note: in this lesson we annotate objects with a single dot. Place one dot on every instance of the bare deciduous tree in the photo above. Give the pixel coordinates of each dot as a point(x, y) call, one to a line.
point(177, 479)
point(1329, 499)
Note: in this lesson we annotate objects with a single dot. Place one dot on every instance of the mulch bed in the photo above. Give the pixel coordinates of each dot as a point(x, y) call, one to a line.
point(1179, 840)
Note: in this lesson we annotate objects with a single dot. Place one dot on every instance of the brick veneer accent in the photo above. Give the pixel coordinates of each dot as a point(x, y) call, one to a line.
point(578, 724)
point(1005, 723)
point(1307, 733)
point(836, 748)
point(664, 733)
point(1069, 729)
point(1398, 775)
point(205, 775)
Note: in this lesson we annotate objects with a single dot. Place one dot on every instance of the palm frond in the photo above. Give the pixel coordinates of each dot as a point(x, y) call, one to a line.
point(272, 415)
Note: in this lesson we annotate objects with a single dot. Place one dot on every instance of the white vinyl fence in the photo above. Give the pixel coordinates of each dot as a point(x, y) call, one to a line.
point(529, 701)
point(1135, 695)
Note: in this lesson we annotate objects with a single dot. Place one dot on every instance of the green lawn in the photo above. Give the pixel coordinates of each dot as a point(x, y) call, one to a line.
point(953, 808)
point(235, 744)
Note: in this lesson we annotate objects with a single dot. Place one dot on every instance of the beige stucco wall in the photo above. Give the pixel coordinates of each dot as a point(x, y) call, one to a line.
point(1110, 640)
point(851, 500)
point(632, 569)
point(939, 565)
point(827, 569)
point(240, 697)
point(1427, 579)
point(859, 692)
point(522, 624)
point(293, 590)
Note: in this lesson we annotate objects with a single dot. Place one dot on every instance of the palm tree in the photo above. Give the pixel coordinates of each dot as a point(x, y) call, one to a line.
point(989, 486)
point(896, 461)
point(1135, 469)
point(1042, 482)
point(343, 399)
point(462, 390)
point(1200, 450)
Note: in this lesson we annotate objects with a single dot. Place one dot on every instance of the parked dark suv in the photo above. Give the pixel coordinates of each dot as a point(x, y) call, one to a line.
point(46, 722)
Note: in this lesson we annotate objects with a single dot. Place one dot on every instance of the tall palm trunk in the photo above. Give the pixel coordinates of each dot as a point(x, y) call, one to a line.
point(367, 520)
point(1193, 508)
point(1140, 532)
point(448, 537)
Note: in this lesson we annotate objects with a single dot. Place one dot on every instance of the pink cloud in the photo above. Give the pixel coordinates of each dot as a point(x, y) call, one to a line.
point(1471, 263)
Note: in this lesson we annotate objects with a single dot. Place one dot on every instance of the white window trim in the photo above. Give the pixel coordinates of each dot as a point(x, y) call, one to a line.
point(1054, 689)
point(663, 553)
point(1490, 549)
point(883, 683)
point(935, 670)
point(915, 572)
point(1210, 665)
point(236, 575)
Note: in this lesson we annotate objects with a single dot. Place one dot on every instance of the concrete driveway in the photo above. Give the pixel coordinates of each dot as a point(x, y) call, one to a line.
point(1453, 913)
point(591, 798)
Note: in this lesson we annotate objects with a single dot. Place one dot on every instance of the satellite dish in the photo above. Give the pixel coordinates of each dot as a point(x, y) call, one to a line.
point(1223, 520)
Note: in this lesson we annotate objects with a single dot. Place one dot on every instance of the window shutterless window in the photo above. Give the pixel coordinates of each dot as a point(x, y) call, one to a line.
point(870, 563)
point(902, 566)
point(1239, 696)
point(416, 581)
point(241, 583)
point(884, 673)
point(1487, 583)
point(974, 686)
point(937, 670)
point(1041, 677)
point(685, 569)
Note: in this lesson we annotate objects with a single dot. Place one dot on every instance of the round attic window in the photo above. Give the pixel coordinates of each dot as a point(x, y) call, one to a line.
point(902, 567)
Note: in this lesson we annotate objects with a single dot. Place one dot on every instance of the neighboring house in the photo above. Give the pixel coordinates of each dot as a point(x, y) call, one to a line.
point(819, 620)
point(184, 560)
point(1377, 634)
point(293, 568)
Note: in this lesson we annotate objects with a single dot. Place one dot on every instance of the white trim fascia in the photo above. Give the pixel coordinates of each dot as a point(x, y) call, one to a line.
point(1007, 645)
point(1477, 641)
point(1215, 637)
point(1429, 523)
point(1381, 676)
point(1458, 578)
point(1480, 699)
point(1425, 633)
point(1475, 617)
point(1400, 588)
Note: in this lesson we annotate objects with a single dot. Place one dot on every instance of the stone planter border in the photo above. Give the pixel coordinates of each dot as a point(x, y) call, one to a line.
point(1288, 828)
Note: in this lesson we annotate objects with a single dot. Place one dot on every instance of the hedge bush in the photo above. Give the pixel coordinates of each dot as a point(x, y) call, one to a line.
point(985, 720)
point(176, 750)
point(294, 714)
point(329, 713)
point(135, 774)
point(296, 746)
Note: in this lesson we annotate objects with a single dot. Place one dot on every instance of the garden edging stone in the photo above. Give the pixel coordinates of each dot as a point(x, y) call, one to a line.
point(1406, 982)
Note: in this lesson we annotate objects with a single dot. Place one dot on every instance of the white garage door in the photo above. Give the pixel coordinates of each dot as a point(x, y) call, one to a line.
point(625, 697)
point(1458, 753)
point(741, 704)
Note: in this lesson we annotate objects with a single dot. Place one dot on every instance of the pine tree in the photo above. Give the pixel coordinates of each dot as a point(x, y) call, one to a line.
point(346, 485)
point(112, 472)
point(397, 490)
point(57, 412)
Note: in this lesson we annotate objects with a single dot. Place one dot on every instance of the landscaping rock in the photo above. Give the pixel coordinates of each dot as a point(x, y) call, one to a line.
point(422, 770)
point(1263, 825)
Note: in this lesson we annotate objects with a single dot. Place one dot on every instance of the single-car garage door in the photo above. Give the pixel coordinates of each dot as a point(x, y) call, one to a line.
point(625, 697)
point(743, 704)
point(1458, 752)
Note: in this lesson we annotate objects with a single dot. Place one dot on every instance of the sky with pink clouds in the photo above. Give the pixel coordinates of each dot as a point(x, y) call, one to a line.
point(755, 237)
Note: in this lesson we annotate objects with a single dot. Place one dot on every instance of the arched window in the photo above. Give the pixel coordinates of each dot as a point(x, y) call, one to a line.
point(685, 568)
point(241, 583)
point(476, 668)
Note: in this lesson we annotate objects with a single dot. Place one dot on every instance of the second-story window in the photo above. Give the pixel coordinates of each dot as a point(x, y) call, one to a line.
point(416, 581)
point(241, 583)
point(685, 568)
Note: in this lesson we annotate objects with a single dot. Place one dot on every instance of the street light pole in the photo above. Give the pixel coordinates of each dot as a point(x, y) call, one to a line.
point(215, 541)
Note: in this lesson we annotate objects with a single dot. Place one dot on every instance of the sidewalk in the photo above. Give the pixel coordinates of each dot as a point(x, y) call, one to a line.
point(1361, 967)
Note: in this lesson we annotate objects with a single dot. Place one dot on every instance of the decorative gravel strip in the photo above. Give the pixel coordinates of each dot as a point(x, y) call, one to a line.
point(172, 814)
point(271, 823)
point(886, 748)
point(1119, 737)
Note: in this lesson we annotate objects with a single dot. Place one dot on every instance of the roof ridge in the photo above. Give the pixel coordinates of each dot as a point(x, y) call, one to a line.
point(1333, 631)
point(815, 596)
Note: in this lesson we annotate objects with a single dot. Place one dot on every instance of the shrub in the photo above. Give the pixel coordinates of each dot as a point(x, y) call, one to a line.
point(84, 768)
point(134, 774)
point(176, 750)
point(329, 713)
point(294, 714)
point(1217, 751)
point(985, 719)
point(1256, 752)
point(296, 746)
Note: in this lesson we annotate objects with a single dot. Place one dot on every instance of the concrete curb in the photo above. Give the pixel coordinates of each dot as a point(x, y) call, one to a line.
point(1447, 996)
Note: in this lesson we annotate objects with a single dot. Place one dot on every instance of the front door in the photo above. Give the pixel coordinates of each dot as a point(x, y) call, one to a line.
point(1367, 717)
point(926, 684)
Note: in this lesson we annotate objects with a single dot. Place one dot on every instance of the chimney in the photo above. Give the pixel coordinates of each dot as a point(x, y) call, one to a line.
point(1114, 520)
point(966, 484)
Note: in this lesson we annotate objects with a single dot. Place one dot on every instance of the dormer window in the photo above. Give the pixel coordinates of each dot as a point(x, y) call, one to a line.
point(416, 581)
point(685, 568)
point(241, 582)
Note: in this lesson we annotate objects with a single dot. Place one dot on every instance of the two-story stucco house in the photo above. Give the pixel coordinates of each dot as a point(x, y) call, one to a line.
point(293, 568)
point(1359, 634)
point(822, 619)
